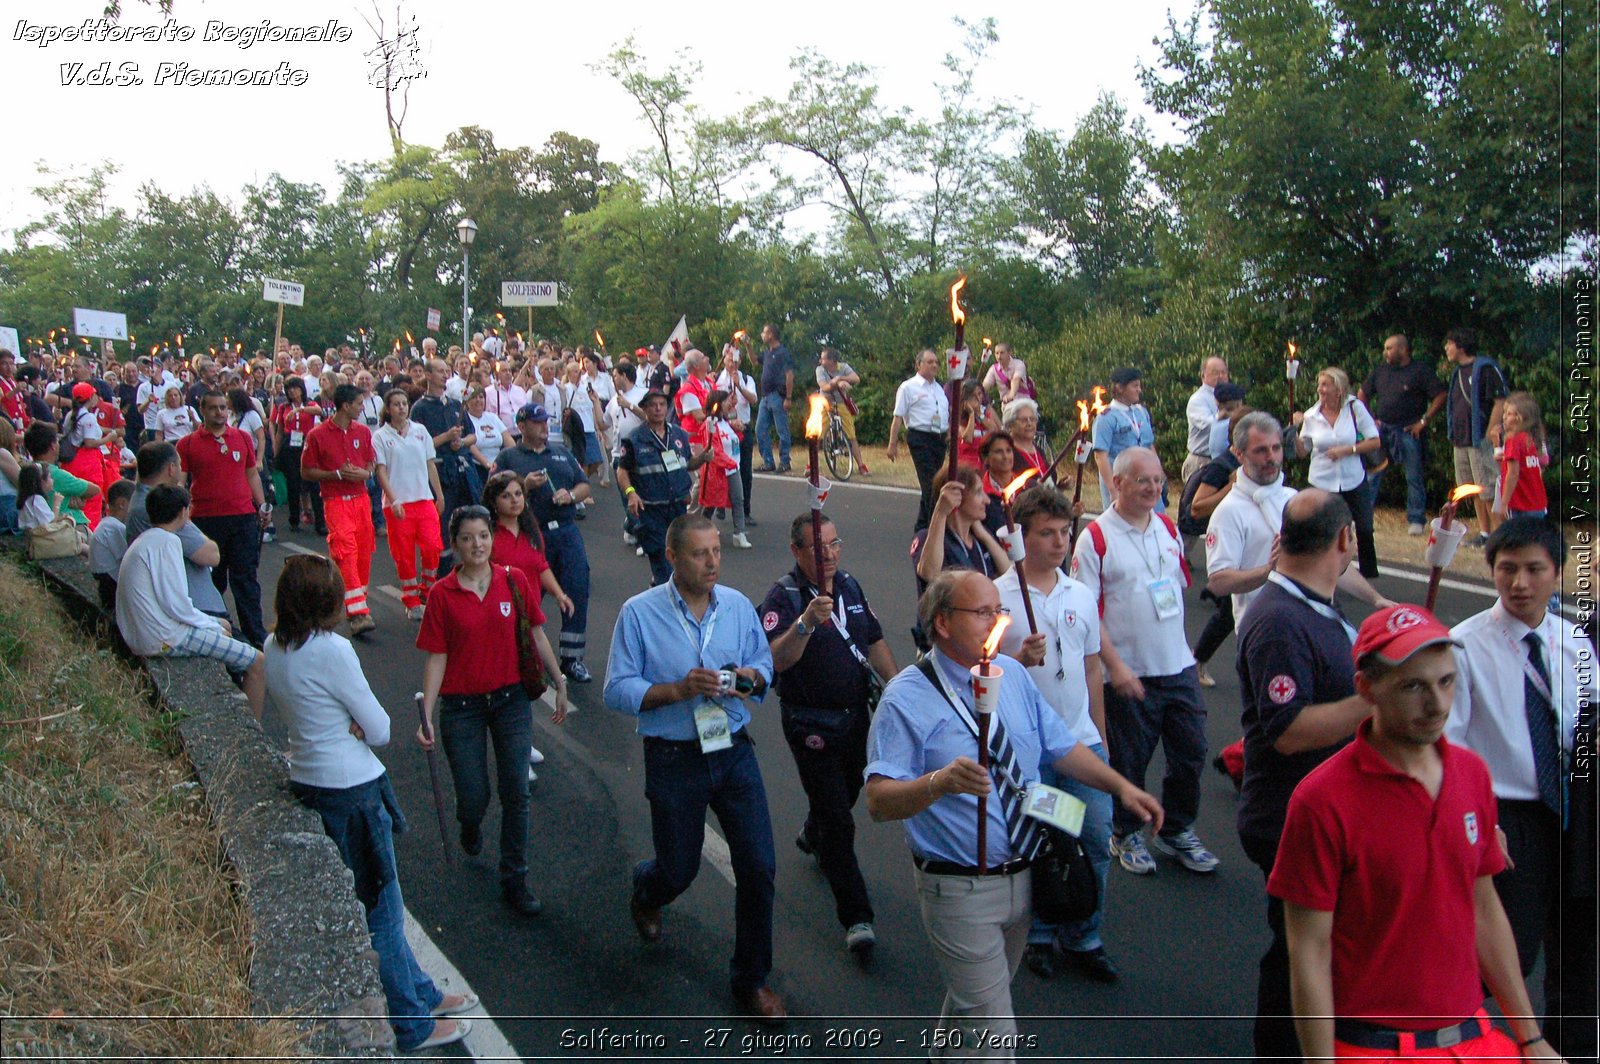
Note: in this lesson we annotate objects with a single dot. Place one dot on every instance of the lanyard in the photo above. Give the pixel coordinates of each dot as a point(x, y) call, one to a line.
point(959, 705)
point(1539, 683)
point(704, 640)
point(1139, 538)
point(1321, 608)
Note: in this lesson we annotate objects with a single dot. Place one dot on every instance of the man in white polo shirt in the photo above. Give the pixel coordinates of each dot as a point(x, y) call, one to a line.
point(1131, 560)
point(1241, 540)
point(922, 413)
point(1202, 413)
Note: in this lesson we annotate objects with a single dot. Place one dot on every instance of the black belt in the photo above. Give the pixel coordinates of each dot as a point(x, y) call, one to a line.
point(1376, 1036)
point(740, 736)
point(950, 868)
point(924, 432)
point(482, 701)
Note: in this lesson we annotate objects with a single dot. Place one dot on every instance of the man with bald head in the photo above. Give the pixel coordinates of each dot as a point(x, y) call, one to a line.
point(922, 771)
point(1297, 679)
point(1202, 414)
point(1131, 560)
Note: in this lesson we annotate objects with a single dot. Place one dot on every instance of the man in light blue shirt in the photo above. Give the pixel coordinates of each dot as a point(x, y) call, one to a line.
point(923, 770)
point(684, 656)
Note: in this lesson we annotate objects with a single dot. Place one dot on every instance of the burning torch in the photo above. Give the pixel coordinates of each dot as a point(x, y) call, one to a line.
point(1444, 538)
point(1291, 370)
point(986, 678)
point(1012, 539)
point(956, 361)
point(819, 487)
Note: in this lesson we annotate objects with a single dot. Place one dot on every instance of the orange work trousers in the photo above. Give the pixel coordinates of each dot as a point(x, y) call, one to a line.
point(417, 530)
point(350, 544)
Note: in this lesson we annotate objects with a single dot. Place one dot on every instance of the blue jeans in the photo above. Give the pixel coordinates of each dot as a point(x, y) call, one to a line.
point(375, 494)
point(1096, 838)
point(504, 717)
point(358, 821)
point(772, 415)
point(563, 548)
point(681, 782)
point(8, 513)
point(1406, 451)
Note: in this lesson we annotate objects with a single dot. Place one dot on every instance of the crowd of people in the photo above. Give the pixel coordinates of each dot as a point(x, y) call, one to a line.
point(478, 466)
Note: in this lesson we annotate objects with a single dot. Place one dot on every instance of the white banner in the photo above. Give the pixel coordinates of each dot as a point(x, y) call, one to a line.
point(101, 324)
point(275, 291)
point(529, 293)
point(433, 319)
point(10, 340)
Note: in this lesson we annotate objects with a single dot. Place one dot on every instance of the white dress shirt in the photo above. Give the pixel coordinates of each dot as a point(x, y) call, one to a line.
point(1202, 414)
point(1147, 644)
point(320, 689)
point(1346, 473)
point(623, 422)
point(922, 405)
point(1070, 621)
point(731, 383)
point(1490, 712)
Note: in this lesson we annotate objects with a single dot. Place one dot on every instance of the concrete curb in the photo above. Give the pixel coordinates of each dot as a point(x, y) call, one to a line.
point(311, 954)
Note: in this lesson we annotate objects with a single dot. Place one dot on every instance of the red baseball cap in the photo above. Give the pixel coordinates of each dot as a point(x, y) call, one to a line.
point(83, 390)
point(1392, 635)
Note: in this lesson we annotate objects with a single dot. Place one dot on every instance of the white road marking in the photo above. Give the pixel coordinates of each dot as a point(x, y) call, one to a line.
point(298, 549)
point(485, 1040)
point(390, 590)
point(1567, 609)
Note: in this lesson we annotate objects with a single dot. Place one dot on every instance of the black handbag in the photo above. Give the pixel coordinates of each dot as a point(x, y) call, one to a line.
point(530, 666)
point(1065, 888)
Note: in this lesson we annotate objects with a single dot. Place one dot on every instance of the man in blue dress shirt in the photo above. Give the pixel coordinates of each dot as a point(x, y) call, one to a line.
point(923, 770)
point(684, 656)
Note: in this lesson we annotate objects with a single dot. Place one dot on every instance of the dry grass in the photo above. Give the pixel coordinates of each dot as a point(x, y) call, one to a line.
point(119, 924)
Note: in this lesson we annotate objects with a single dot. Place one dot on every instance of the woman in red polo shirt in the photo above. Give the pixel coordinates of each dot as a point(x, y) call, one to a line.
point(292, 423)
point(517, 542)
point(471, 688)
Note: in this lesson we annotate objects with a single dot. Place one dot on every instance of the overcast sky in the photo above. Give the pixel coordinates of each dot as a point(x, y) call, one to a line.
point(521, 70)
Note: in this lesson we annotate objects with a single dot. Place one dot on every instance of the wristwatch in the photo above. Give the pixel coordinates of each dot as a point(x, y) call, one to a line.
point(801, 626)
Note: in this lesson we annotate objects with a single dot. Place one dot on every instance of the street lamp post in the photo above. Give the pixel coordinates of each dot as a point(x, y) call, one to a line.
point(466, 229)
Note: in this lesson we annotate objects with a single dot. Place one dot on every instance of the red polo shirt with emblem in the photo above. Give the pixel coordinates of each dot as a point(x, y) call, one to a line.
point(217, 465)
point(1397, 869)
point(330, 447)
point(479, 637)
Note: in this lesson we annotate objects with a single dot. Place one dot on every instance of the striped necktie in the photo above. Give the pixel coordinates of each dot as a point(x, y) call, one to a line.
point(1543, 729)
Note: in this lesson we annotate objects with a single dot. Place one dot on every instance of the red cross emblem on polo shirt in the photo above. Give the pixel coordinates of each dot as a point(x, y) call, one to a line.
point(1281, 689)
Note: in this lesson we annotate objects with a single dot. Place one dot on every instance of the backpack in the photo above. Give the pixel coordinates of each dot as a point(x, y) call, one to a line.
point(69, 450)
point(1189, 524)
point(1097, 536)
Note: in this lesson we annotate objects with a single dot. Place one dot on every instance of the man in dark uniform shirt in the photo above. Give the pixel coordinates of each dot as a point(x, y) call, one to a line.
point(1300, 706)
point(554, 484)
point(1404, 396)
point(823, 675)
point(654, 471)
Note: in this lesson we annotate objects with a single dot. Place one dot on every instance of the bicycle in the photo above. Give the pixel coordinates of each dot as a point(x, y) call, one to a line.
point(835, 446)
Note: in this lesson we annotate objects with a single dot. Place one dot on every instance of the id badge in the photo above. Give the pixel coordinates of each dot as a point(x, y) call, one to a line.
point(711, 722)
point(296, 439)
point(672, 461)
point(552, 525)
point(1164, 593)
point(1056, 808)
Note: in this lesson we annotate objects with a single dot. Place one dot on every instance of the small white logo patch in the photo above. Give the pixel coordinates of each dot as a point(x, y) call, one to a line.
point(1471, 821)
point(505, 609)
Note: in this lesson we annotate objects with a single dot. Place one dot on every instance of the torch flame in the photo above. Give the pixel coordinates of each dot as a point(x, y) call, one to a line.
point(957, 315)
point(180, 339)
point(992, 644)
point(1292, 350)
point(1465, 491)
point(409, 339)
point(1017, 484)
point(598, 339)
point(1099, 406)
point(739, 336)
point(819, 413)
point(987, 343)
point(1083, 416)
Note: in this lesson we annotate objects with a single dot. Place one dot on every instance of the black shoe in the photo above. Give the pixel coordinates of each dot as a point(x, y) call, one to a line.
point(766, 468)
point(750, 522)
point(581, 516)
point(1041, 959)
point(804, 845)
point(472, 839)
point(1092, 962)
point(784, 468)
point(576, 671)
point(519, 898)
point(322, 529)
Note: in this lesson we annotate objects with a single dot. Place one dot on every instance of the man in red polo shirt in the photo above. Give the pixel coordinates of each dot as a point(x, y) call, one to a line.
point(1386, 873)
point(338, 455)
point(228, 506)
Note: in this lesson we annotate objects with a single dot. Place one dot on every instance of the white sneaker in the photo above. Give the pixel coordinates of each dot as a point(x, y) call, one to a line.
point(1188, 849)
point(415, 613)
point(638, 552)
point(860, 938)
point(742, 541)
point(629, 538)
point(532, 775)
point(534, 756)
point(1415, 529)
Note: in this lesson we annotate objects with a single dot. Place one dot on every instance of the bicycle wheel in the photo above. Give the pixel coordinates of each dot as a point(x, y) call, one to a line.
point(836, 448)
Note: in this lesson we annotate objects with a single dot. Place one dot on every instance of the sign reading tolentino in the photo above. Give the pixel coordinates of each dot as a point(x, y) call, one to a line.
point(529, 293)
point(275, 291)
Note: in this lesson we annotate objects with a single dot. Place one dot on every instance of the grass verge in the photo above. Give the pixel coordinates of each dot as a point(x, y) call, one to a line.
point(121, 932)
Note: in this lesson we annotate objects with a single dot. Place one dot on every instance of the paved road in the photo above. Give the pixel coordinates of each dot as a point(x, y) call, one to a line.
point(1187, 944)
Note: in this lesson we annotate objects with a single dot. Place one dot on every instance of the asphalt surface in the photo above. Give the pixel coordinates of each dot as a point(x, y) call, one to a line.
point(576, 982)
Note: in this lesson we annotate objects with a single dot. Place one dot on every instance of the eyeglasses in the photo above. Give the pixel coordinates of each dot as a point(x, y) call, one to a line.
point(833, 546)
point(988, 613)
point(1148, 482)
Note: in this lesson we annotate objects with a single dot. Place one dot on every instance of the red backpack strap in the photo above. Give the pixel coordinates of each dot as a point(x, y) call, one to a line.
point(1097, 536)
point(1183, 562)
